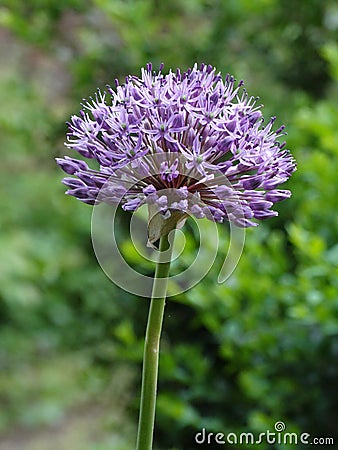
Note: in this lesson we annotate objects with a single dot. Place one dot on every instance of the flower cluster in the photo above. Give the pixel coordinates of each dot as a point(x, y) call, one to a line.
point(193, 133)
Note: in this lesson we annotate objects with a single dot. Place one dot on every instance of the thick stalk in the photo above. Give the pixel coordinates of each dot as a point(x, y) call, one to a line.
point(151, 350)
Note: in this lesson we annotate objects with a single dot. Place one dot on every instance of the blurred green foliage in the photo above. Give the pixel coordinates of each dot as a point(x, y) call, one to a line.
point(235, 357)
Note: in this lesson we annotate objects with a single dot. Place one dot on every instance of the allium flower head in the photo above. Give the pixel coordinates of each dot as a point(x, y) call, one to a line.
point(194, 134)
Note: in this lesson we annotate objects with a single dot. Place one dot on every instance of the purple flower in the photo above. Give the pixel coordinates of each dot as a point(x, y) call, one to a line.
point(189, 142)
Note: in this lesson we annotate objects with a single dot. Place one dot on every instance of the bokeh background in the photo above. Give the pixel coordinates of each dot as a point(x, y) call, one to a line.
point(235, 357)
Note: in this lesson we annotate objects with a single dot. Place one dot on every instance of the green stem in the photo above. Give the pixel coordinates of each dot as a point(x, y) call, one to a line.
point(151, 350)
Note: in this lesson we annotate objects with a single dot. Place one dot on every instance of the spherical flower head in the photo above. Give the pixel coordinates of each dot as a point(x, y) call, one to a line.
point(183, 143)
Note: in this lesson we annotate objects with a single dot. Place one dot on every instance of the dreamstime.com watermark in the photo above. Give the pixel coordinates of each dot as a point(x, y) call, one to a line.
point(278, 436)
